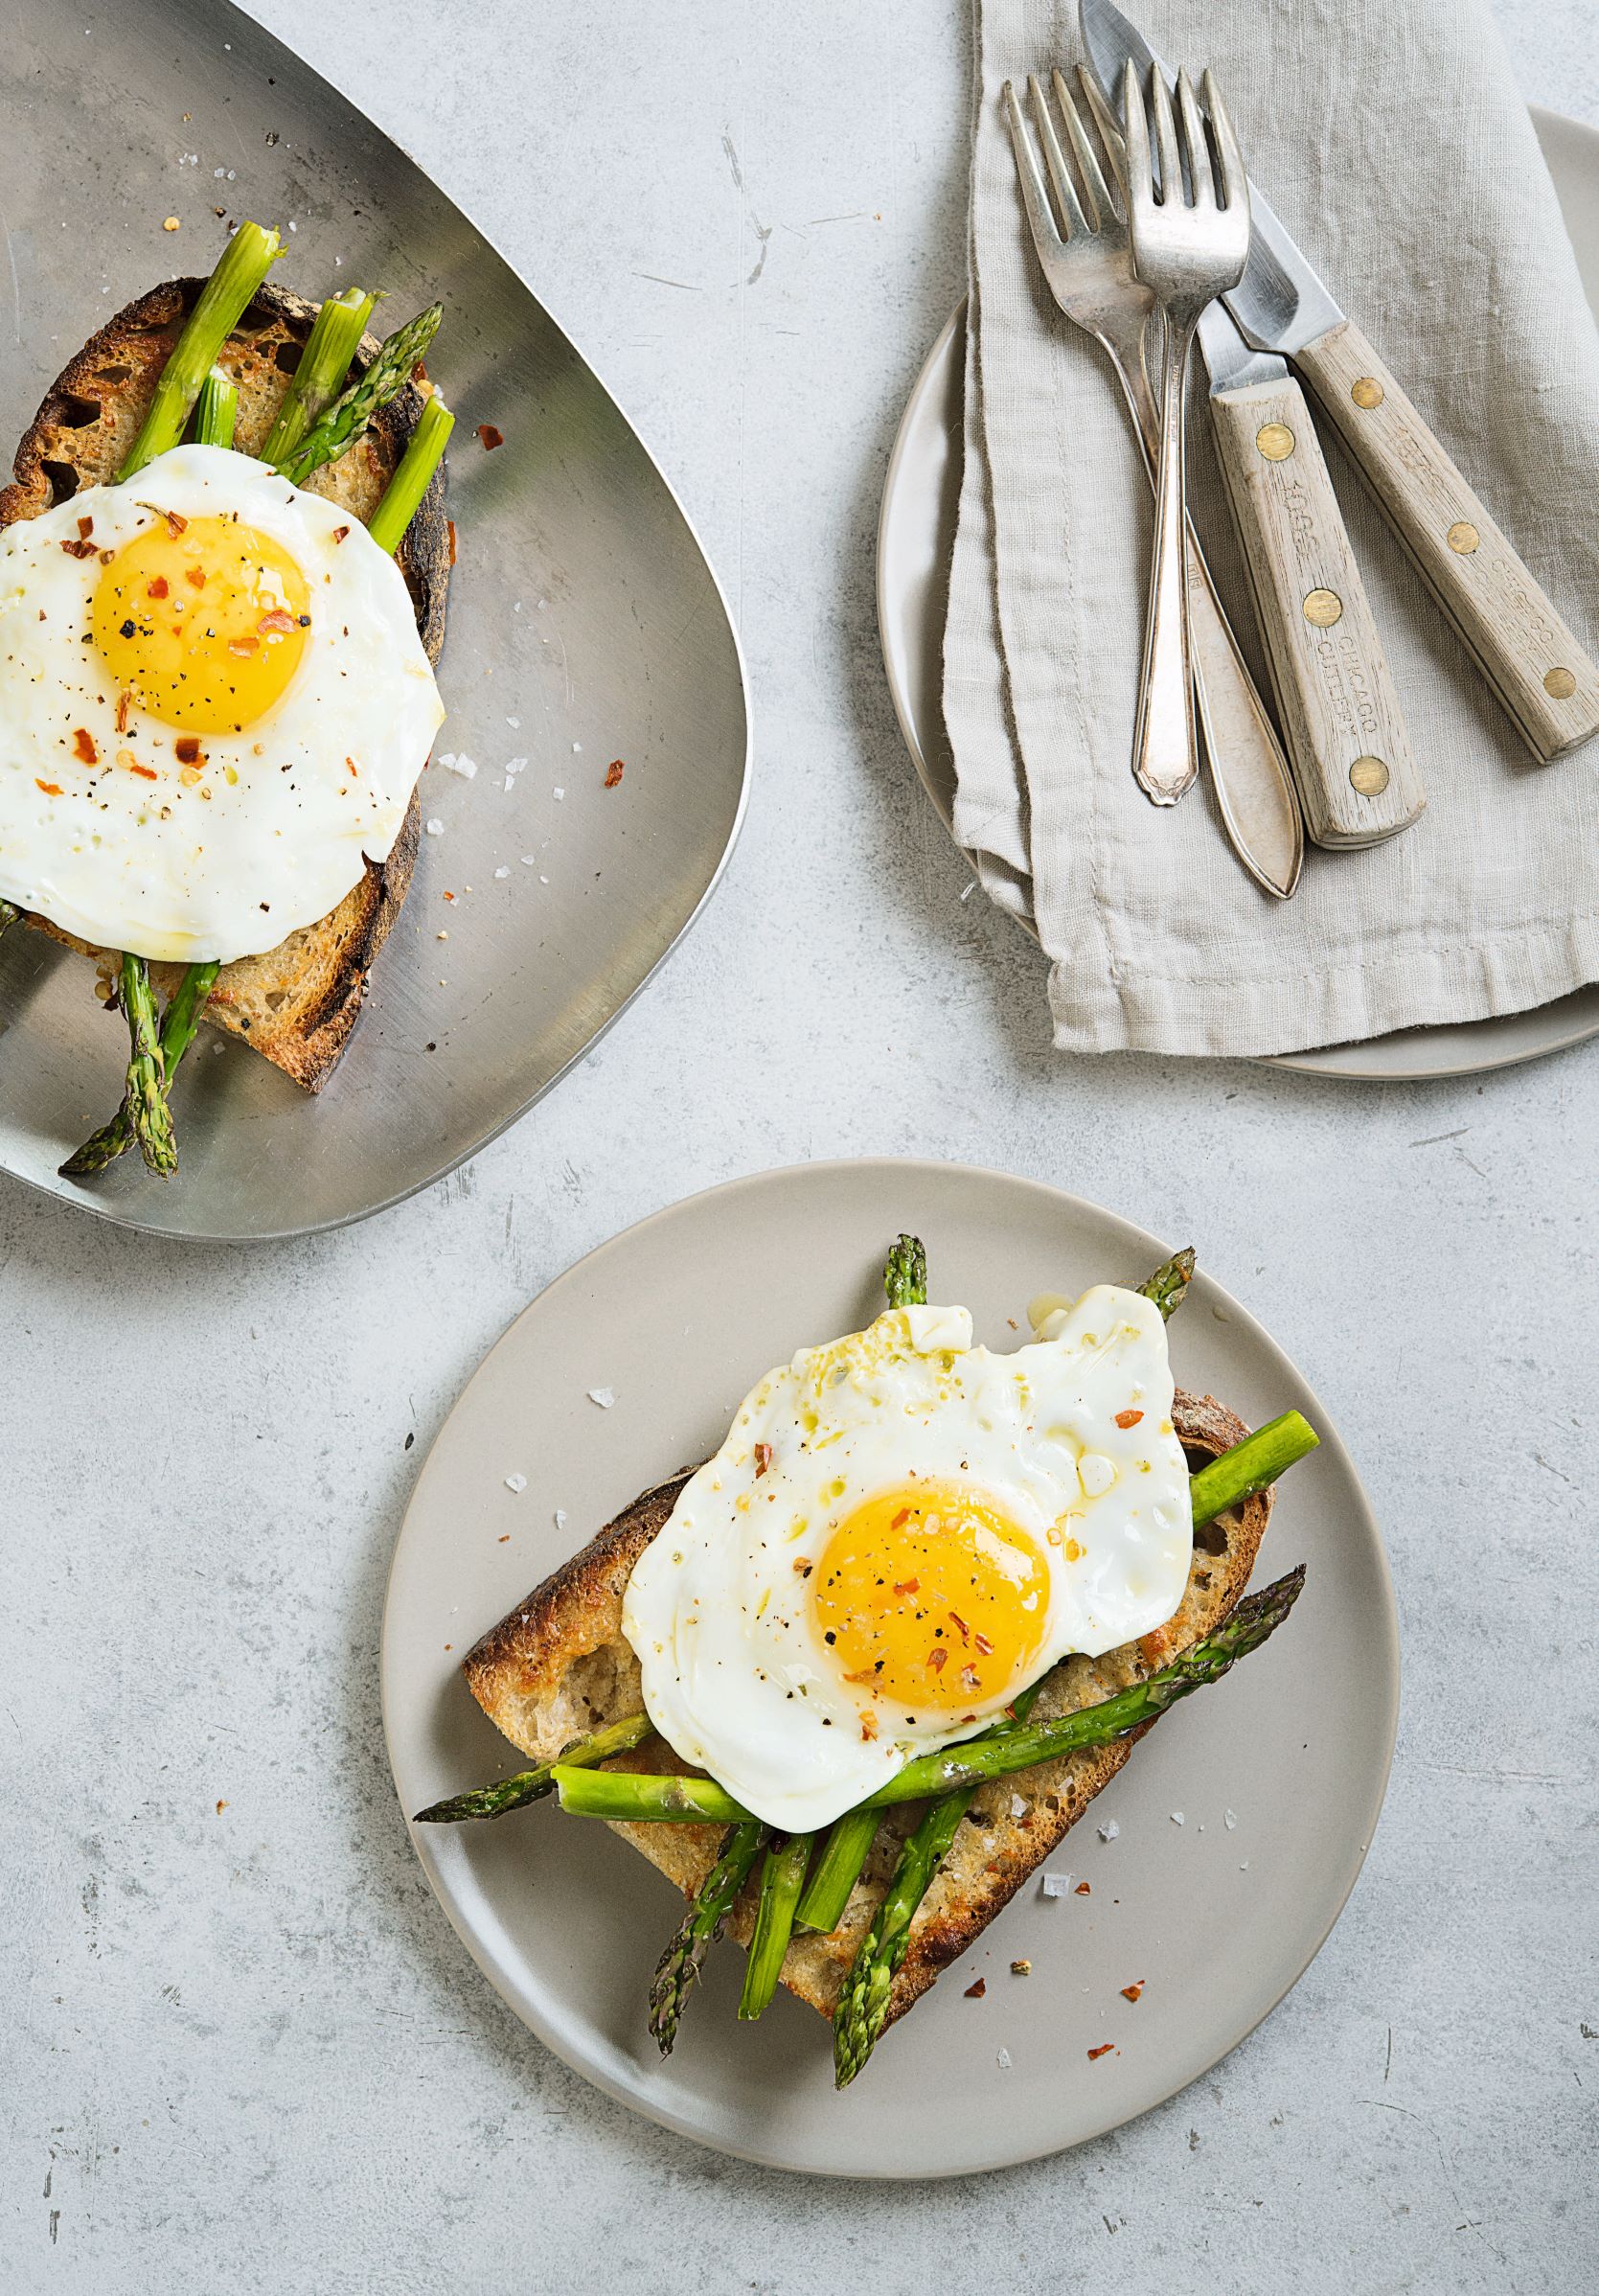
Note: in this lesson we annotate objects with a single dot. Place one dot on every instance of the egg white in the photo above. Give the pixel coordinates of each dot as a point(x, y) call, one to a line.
point(230, 866)
point(736, 1676)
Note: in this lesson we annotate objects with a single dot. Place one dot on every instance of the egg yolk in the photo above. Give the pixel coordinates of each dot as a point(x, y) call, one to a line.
point(929, 1595)
point(203, 621)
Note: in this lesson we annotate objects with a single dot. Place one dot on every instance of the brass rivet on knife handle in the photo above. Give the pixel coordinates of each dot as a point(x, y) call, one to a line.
point(1275, 441)
point(1341, 719)
point(1526, 650)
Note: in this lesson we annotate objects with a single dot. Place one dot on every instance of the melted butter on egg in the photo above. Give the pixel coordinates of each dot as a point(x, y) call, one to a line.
point(203, 621)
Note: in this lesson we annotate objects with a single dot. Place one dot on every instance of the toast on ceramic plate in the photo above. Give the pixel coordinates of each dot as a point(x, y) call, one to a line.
point(558, 1668)
point(297, 1003)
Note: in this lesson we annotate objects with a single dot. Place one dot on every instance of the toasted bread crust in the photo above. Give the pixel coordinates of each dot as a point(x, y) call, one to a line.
point(297, 1003)
point(557, 1667)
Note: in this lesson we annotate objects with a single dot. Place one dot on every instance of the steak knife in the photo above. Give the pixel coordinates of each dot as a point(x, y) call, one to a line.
point(1522, 646)
point(1343, 730)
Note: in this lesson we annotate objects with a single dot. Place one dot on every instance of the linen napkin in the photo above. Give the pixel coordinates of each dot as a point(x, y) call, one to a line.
point(1396, 149)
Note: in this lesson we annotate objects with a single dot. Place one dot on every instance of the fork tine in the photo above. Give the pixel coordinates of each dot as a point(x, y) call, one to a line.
point(1235, 184)
point(1166, 140)
point(1195, 149)
point(1035, 196)
point(1087, 160)
point(1077, 225)
point(1106, 120)
point(1140, 185)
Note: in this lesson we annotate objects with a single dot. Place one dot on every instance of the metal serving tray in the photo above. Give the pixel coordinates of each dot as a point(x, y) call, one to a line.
point(581, 607)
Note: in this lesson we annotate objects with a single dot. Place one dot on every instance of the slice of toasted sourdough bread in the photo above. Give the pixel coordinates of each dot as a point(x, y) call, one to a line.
point(557, 1667)
point(297, 1003)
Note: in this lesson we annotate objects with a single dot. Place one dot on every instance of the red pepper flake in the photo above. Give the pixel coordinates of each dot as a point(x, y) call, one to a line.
point(1082, 1889)
point(83, 747)
point(450, 522)
point(938, 1657)
point(220, 1808)
point(277, 619)
point(614, 773)
point(969, 1678)
point(188, 749)
point(175, 525)
point(85, 527)
point(966, 1631)
point(1128, 1418)
point(194, 577)
point(355, 769)
point(244, 647)
point(907, 1586)
point(339, 533)
point(145, 772)
point(1104, 2049)
point(984, 1645)
point(490, 437)
point(50, 788)
point(157, 588)
point(762, 1457)
point(868, 1727)
point(900, 1519)
point(1132, 1993)
point(975, 1993)
point(125, 702)
point(80, 548)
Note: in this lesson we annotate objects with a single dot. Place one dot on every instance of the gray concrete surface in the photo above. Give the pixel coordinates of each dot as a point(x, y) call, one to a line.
point(239, 2048)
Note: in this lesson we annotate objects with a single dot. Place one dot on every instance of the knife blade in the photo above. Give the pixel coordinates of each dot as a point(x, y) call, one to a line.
point(1523, 646)
point(1343, 728)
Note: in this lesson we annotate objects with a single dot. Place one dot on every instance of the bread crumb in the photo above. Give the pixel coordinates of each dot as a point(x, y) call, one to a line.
point(172, 224)
point(516, 1482)
point(975, 1993)
point(220, 1808)
point(1021, 1969)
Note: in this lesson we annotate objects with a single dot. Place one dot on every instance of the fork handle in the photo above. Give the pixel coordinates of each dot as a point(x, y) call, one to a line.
point(1523, 647)
point(1165, 758)
point(1358, 777)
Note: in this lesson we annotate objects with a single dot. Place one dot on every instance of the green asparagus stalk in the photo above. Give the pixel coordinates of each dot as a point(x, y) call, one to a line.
point(245, 261)
point(333, 343)
point(405, 489)
point(782, 1878)
point(215, 410)
point(844, 1853)
point(532, 1785)
point(904, 1278)
point(146, 1101)
point(9, 915)
point(680, 1964)
point(1249, 1466)
point(999, 1753)
point(1168, 1284)
point(340, 425)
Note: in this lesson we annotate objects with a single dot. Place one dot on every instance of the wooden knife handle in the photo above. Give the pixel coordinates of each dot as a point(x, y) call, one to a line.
point(1525, 650)
point(1357, 779)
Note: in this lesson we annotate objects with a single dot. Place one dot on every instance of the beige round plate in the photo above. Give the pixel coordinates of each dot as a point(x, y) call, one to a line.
point(679, 1318)
point(916, 534)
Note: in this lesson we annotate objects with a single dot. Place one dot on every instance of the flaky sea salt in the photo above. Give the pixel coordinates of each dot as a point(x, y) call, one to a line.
point(561, 1518)
point(516, 1482)
point(604, 1397)
point(458, 761)
point(1056, 1885)
point(502, 872)
point(1177, 1818)
point(515, 723)
point(1109, 1831)
point(558, 794)
point(1230, 1820)
point(1002, 2059)
point(434, 827)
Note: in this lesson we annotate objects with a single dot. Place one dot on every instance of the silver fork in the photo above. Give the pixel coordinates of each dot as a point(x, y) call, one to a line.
point(1188, 247)
point(1088, 270)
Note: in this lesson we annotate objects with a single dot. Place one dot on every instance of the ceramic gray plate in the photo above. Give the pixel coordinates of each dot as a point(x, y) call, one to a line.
point(1218, 1917)
point(916, 535)
point(582, 607)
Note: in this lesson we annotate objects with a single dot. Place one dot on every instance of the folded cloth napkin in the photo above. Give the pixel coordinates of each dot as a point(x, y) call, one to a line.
point(1395, 146)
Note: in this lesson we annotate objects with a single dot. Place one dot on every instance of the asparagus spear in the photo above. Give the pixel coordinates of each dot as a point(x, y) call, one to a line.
point(411, 481)
point(216, 409)
point(9, 915)
point(701, 1924)
point(782, 1878)
point(905, 1277)
point(999, 1753)
point(245, 261)
point(332, 344)
point(145, 1099)
point(532, 1785)
point(1168, 1284)
point(1249, 1466)
point(342, 423)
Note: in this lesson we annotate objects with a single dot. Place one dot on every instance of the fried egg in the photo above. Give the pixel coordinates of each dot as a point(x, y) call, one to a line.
point(901, 1532)
point(214, 705)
